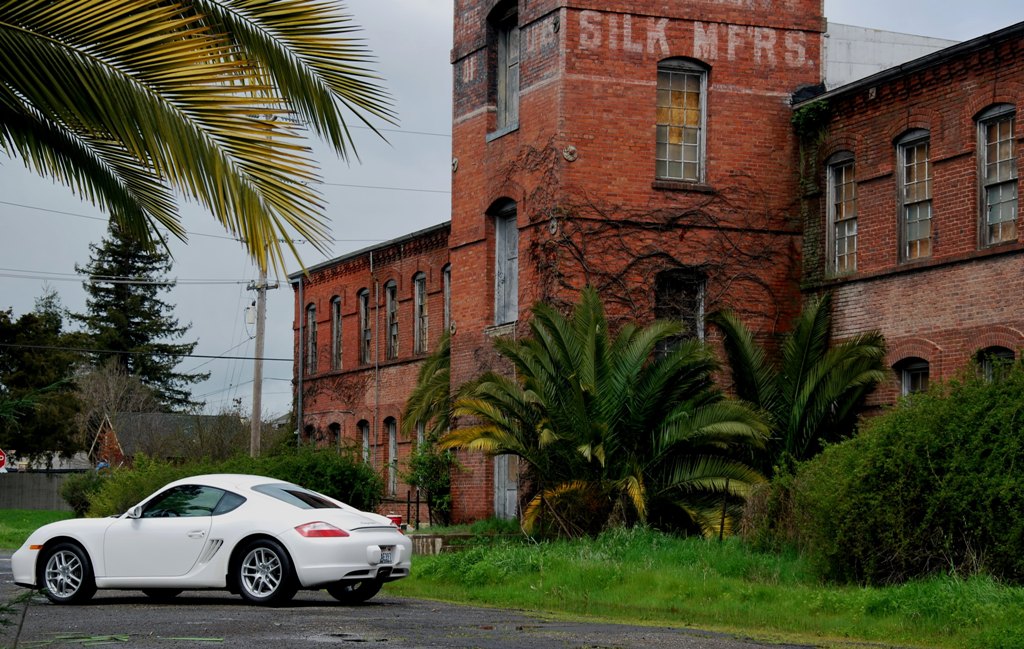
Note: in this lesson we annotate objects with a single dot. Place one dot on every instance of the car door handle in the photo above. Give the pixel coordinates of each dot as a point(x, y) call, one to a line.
point(198, 534)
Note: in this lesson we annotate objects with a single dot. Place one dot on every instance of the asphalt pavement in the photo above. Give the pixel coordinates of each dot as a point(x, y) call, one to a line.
point(314, 619)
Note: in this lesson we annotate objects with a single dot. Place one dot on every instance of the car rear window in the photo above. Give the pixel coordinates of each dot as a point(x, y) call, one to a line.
point(297, 496)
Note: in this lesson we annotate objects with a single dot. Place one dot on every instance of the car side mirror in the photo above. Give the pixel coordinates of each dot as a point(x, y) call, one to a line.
point(135, 512)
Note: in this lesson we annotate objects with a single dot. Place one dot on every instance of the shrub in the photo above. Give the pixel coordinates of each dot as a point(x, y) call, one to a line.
point(931, 486)
point(78, 490)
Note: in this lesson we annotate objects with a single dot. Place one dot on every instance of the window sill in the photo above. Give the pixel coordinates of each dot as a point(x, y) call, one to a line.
point(501, 330)
point(494, 135)
point(682, 186)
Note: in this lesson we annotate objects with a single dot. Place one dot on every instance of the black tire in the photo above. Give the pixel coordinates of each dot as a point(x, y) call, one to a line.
point(354, 592)
point(161, 594)
point(65, 574)
point(263, 573)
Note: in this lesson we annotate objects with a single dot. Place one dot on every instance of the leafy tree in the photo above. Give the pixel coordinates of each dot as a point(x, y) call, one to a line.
point(35, 387)
point(430, 405)
point(610, 431)
point(130, 101)
point(129, 324)
point(811, 394)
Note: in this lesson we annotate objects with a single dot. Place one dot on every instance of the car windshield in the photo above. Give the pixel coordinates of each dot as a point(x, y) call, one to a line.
point(297, 496)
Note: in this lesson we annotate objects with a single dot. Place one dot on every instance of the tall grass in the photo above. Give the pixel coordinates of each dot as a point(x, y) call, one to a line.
point(643, 576)
point(17, 524)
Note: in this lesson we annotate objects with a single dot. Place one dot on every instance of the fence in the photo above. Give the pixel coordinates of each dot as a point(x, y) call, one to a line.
point(33, 490)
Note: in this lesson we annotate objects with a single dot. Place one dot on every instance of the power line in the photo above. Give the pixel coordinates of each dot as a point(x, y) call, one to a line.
point(139, 353)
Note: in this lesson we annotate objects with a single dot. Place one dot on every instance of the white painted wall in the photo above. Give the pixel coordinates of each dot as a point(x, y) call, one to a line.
point(853, 53)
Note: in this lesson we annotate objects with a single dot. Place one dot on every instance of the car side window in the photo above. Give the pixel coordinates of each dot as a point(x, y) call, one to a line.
point(184, 500)
point(229, 502)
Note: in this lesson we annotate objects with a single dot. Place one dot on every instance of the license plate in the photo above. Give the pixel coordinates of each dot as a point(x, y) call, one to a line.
point(387, 555)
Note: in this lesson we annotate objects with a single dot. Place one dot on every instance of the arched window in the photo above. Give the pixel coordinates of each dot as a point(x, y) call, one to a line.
point(915, 195)
point(506, 261)
point(681, 128)
point(842, 214)
point(336, 333)
point(365, 331)
point(391, 308)
point(994, 361)
point(997, 163)
point(913, 375)
point(364, 435)
point(311, 351)
point(334, 434)
point(391, 429)
point(446, 280)
point(419, 289)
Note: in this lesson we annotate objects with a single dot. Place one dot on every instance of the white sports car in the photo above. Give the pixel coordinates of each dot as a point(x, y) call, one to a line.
point(259, 537)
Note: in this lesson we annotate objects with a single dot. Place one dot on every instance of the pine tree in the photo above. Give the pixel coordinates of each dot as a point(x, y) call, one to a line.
point(127, 322)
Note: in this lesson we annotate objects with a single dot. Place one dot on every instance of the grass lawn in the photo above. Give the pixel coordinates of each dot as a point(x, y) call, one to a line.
point(644, 577)
point(17, 524)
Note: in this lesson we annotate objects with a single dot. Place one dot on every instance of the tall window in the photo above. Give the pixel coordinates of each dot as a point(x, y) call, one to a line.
point(679, 296)
point(505, 21)
point(334, 434)
point(365, 332)
point(506, 262)
point(419, 289)
point(682, 87)
point(311, 339)
point(998, 175)
point(446, 280)
point(913, 373)
point(391, 427)
point(335, 333)
point(364, 435)
point(915, 195)
point(391, 307)
point(842, 214)
point(995, 362)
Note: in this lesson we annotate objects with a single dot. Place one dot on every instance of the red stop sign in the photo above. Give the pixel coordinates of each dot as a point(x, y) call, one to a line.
point(3, 458)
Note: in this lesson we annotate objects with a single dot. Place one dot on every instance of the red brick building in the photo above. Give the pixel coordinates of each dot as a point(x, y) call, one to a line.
point(646, 148)
point(916, 227)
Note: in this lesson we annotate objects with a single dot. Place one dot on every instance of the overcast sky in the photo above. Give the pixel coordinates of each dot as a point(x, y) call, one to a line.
point(398, 187)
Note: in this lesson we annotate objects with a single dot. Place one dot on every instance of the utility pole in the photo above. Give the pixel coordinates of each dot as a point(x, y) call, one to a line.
point(257, 370)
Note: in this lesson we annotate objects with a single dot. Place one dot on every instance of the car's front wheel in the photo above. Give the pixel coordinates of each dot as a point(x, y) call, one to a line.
point(66, 575)
point(354, 592)
point(264, 573)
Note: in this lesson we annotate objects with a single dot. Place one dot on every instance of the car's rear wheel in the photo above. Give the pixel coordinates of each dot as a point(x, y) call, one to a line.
point(264, 573)
point(354, 592)
point(66, 574)
point(161, 594)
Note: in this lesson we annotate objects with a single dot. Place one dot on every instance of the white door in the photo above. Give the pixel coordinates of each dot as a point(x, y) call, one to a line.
point(506, 486)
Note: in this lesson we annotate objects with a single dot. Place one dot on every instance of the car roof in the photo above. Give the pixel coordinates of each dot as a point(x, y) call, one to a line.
point(234, 481)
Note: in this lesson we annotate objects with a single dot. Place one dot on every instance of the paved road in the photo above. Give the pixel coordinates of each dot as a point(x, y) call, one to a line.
point(316, 620)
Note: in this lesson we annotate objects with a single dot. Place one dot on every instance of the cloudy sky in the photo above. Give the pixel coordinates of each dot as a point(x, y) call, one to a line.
point(397, 187)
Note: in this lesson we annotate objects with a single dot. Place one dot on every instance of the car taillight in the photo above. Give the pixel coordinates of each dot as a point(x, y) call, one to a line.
point(320, 529)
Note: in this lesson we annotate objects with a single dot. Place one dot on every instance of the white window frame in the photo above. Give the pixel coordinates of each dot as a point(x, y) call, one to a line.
point(915, 195)
point(336, 332)
point(446, 280)
point(911, 370)
point(842, 214)
point(681, 145)
point(420, 314)
point(997, 171)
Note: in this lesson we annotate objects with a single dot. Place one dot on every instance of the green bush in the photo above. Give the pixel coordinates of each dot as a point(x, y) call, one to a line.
point(340, 476)
point(78, 490)
point(929, 487)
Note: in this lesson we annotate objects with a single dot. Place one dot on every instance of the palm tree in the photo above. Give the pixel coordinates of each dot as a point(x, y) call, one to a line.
point(130, 101)
point(609, 431)
point(430, 403)
point(813, 392)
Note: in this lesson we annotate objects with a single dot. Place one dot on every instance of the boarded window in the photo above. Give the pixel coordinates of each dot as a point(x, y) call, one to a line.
point(336, 333)
point(364, 434)
point(311, 339)
point(391, 427)
point(446, 276)
point(506, 263)
point(391, 307)
point(506, 25)
point(365, 332)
